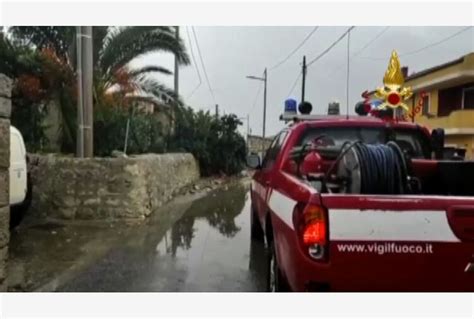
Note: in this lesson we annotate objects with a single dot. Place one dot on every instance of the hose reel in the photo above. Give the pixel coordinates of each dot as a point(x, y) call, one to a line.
point(372, 169)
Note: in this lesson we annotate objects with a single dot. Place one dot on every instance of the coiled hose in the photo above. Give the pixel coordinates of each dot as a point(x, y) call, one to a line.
point(382, 167)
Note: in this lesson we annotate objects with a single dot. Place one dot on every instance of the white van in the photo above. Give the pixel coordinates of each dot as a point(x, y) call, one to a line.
point(18, 169)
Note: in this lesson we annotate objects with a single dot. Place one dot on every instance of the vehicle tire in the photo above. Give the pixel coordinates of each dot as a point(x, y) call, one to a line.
point(275, 281)
point(256, 231)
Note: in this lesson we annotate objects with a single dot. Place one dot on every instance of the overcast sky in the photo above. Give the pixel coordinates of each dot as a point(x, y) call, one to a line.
point(231, 53)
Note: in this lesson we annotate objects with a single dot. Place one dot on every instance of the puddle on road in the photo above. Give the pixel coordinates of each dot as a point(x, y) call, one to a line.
point(211, 245)
point(196, 245)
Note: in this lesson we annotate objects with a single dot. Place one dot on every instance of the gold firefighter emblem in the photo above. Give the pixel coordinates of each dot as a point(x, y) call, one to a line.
point(393, 93)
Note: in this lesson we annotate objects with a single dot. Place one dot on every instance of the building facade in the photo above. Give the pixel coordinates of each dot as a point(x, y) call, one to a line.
point(446, 96)
point(256, 144)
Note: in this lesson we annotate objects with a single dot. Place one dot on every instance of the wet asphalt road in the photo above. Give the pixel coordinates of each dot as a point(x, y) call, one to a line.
point(200, 244)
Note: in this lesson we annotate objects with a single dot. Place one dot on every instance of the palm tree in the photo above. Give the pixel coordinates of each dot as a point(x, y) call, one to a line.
point(114, 48)
point(115, 82)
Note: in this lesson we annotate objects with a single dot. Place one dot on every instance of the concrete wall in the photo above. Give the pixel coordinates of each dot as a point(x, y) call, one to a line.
point(5, 109)
point(107, 188)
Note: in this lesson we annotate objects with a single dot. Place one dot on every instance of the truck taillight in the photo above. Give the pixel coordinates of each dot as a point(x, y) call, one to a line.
point(313, 231)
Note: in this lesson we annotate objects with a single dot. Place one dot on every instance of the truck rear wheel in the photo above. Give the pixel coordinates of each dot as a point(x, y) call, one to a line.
point(275, 281)
point(256, 231)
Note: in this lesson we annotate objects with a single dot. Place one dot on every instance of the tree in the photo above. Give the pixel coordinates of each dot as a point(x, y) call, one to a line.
point(38, 75)
point(114, 48)
point(61, 39)
point(121, 45)
point(215, 142)
point(116, 84)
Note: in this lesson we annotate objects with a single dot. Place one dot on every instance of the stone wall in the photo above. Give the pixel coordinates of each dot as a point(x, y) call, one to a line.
point(107, 188)
point(5, 109)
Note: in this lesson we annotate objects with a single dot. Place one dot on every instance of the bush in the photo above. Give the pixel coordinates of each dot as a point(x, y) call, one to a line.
point(145, 132)
point(215, 143)
point(28, 119)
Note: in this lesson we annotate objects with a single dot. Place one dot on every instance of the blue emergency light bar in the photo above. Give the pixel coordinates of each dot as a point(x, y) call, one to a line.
point(290, 106)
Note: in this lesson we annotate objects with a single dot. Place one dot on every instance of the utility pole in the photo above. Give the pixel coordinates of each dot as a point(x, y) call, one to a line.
point(80, 114)
point(264, 109)
point(248, 131)
point(217, 111)
point(174, 104)
point(87, 79)
point(264, 79)
point(347, 77)
point(176, 67)
point(248, 125)
point(303, 84)
point(85, 116)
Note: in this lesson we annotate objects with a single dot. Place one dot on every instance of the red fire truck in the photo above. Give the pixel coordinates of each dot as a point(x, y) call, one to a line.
point(362, 204)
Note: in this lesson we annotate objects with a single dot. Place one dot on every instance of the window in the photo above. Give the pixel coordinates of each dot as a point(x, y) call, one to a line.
point(274, 150)
point(411, 141)
point(340, 135)
point(468, 98)
point(426, 105)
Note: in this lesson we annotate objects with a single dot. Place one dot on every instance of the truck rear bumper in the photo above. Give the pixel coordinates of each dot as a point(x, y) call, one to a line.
point(377, 265)
point(389, 273)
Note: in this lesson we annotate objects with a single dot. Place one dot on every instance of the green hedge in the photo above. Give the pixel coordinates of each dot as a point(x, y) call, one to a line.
point(215, 142)
point(145, 132)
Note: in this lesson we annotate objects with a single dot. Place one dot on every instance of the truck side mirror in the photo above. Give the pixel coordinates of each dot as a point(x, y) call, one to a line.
point(253, 161)
point(437, 142)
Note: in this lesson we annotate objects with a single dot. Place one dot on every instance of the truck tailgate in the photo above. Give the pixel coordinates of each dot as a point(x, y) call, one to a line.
point(401, 243)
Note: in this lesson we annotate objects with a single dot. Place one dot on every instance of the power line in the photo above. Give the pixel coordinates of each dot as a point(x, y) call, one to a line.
point(203, 66)
point(294, 84)
point(193, 91)
point(254, 104)
point(192, 54)
point(295, 50)
point(257, 95)
point(425, 47)
point(331, 46)
point(370, 42)
point(436, 43)
point(194, 62)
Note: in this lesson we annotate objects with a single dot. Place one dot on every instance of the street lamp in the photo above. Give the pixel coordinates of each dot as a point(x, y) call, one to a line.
point(264, 79)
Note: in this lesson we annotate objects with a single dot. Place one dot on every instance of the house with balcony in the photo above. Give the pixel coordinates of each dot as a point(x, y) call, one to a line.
point(446, 93)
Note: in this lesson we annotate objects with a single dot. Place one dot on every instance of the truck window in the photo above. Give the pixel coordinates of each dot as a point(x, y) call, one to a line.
point(273, 150)
point(413, 143)
point(410, 141)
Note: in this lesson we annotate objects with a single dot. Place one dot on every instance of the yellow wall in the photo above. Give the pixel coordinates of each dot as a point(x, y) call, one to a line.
point(456, 120)
point(459, 124)
point(433, 102)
